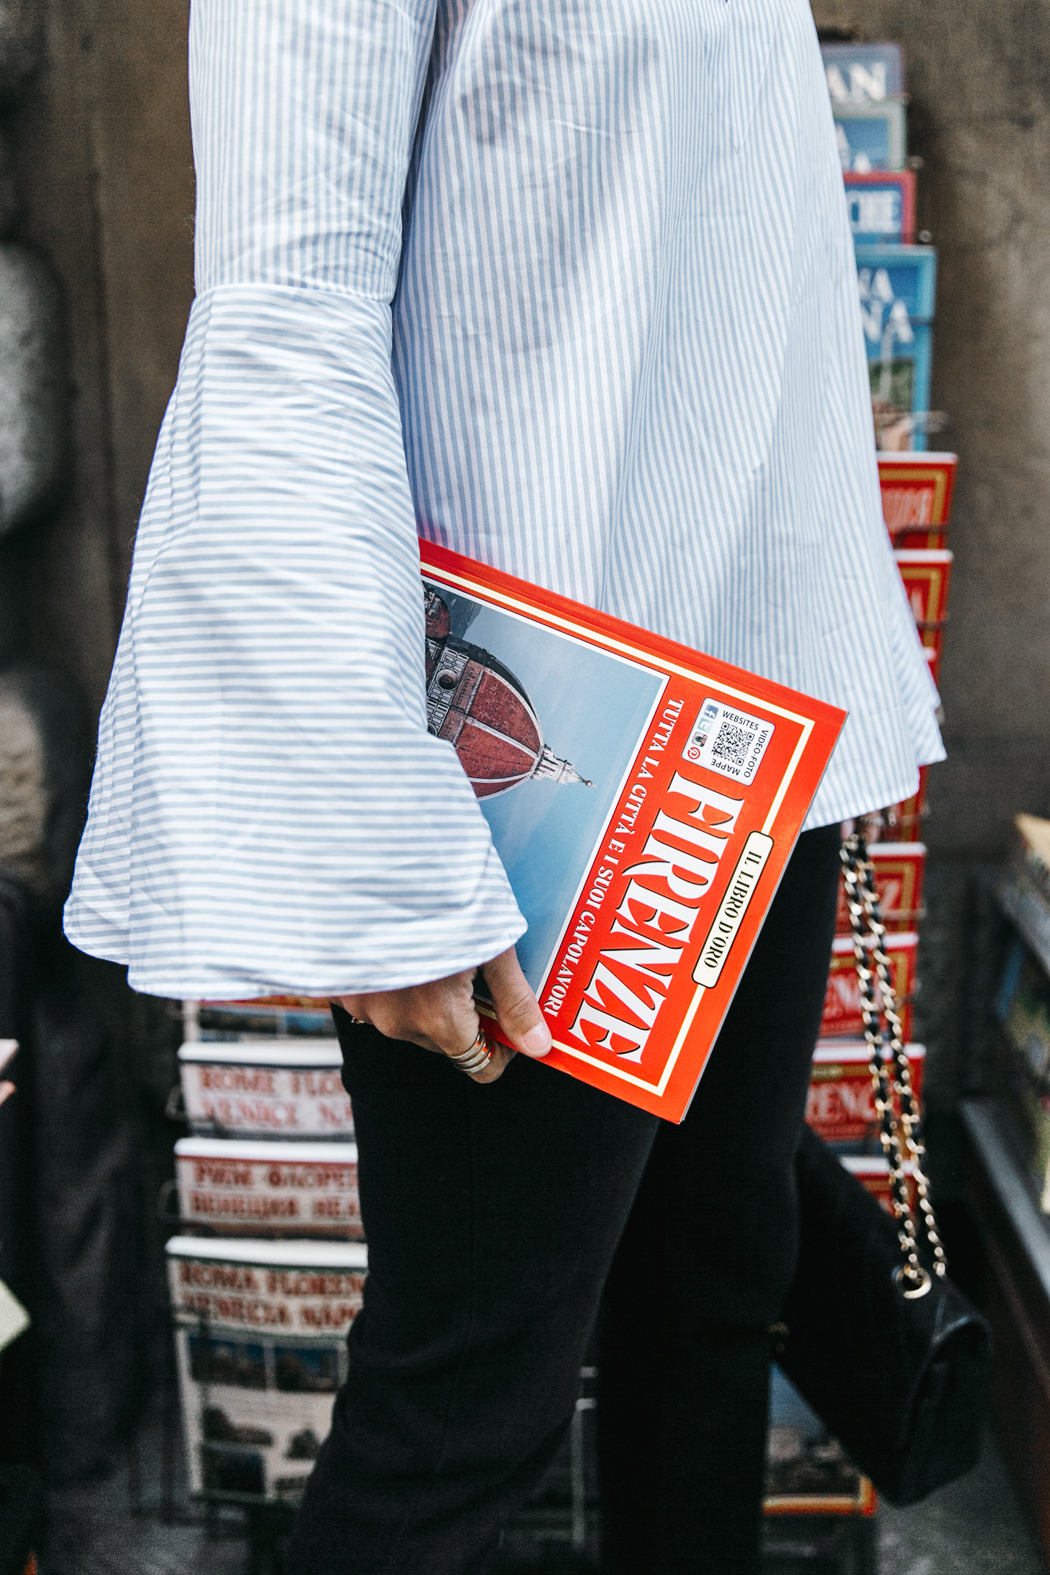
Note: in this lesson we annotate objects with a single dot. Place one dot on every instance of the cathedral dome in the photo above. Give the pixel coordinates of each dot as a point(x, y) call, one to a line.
point(479, 706)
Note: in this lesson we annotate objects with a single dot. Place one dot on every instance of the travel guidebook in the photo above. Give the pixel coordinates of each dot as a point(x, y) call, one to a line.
point(260, 1340)
point(644, 799)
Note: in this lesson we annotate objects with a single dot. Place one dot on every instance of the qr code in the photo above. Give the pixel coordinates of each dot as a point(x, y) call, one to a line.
point(733, 744)
point(726, 739)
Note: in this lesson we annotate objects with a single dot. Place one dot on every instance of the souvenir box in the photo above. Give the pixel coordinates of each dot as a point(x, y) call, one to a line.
point(872, 136)
point(241, 1187)
point(260, 1338)
point(265, 1088)
point(881, 207)
point(863, 73)
point(840, 1106)
point(917, 491)
point(842, 1016)
point(899, 871)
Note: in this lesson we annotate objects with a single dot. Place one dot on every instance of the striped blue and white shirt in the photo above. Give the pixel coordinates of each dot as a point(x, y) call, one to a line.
point(566, 285)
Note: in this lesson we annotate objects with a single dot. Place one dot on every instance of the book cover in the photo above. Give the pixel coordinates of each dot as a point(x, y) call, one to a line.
point(863, 73)
point(917, 492)
point(899, 871)
point(273, 1088)
point(897, 289)
point(872, 136)
point(842, 1018)
point(260, 1344)
point(840, 1104)
point(242, 1187)
point(644, 799)
point(881, 206)
point(926, 573)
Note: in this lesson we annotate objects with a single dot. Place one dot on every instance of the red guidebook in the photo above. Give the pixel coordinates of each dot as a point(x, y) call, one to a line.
point(842, 1017)
point(899, 870)
point(841, 1107)
point(644, 799)
point(917, 497)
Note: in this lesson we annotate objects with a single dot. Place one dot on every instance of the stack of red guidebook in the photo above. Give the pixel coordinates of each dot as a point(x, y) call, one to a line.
point(916, 496)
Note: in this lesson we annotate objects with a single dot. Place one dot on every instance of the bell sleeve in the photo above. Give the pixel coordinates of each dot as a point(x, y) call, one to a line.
point(268, 810)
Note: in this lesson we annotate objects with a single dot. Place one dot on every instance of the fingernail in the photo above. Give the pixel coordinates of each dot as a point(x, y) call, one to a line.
point(538, 1040)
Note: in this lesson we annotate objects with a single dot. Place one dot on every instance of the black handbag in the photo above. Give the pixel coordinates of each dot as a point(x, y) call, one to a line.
point(887, 1351)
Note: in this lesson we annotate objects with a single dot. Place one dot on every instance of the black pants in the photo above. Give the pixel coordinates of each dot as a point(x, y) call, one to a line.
point(494, 1216)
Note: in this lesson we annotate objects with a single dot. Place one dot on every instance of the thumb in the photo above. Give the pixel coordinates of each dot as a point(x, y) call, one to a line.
point(516, 1007)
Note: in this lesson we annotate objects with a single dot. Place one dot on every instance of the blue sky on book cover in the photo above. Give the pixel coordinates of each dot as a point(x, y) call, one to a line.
point(592, 707)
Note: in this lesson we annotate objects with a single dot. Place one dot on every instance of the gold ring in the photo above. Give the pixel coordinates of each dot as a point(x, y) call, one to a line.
point(476, 1056)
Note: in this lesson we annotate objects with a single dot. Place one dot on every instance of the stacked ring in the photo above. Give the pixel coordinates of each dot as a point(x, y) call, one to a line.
point(475, 1057)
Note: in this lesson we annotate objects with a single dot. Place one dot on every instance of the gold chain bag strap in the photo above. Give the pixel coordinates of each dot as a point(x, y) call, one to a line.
point(894, 1097)
point(887, 1351)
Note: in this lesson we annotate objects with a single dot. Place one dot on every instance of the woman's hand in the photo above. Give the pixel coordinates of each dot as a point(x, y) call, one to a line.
point(441, 1016)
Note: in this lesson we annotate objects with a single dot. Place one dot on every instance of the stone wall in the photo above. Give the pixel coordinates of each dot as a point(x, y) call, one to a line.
point(95, 276)
point(103, 189)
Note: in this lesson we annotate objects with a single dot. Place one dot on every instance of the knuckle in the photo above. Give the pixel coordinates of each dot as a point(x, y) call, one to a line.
point(519, 1004)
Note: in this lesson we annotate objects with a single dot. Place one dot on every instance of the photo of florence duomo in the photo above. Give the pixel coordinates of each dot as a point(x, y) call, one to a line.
point(479, 706)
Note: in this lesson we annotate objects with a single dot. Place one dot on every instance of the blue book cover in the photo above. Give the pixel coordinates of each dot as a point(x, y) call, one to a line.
point(872, 136)
point(897, 288)
point(863, 73)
